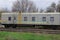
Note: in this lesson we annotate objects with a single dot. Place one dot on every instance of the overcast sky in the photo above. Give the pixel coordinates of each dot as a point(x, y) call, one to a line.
point(39, 3)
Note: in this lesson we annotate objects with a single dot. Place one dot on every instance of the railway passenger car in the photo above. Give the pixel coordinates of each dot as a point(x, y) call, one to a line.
point(51, 20)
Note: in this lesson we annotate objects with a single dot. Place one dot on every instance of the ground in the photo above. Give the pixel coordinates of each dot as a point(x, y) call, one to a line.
point(27, 36)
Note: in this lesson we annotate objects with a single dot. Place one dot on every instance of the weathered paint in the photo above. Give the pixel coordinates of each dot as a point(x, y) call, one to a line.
point(19, 18)
point(30, 22)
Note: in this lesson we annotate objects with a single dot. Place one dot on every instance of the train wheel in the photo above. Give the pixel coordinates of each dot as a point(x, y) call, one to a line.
point(6, 26)
point(58, 27)
point(14, 26)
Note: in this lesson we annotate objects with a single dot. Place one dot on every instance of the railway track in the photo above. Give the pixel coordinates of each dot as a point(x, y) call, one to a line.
point(44, 31)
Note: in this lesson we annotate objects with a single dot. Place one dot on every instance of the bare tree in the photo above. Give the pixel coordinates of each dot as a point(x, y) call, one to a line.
point(53, 5)
point(51, 8)
point(58, 7)
point(41, 10)
point(24, 6)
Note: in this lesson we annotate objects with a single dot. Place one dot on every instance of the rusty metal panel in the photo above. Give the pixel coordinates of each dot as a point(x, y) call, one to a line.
point(19, 18)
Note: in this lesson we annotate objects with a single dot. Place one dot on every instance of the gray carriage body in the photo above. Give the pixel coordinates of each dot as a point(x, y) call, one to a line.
point(8, 18)
point(32, 18)
point(42, 18)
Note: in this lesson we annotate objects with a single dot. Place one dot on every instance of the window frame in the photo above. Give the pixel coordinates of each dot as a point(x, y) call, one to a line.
point(25, 18)
point(9, 18)
point(43, 19)
point(52, 19)
point(14, 18)
point(33, 18)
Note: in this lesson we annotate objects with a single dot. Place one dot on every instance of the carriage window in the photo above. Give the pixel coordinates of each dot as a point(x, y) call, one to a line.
point(43, 18)
point(14, 18)
point(51, 18)
point(9, 18)
point(33, 18)
point(25, 18)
